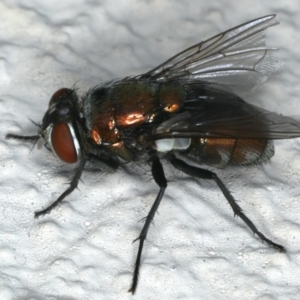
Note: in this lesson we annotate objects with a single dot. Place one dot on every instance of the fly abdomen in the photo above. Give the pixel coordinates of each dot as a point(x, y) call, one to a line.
point(219, 152)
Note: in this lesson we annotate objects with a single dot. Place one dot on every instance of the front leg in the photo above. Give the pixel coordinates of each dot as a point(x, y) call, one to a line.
point(160, 179)
point(69, 190)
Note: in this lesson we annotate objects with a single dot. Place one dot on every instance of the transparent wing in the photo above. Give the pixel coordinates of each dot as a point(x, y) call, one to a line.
point(237, 59)
point(227, 117)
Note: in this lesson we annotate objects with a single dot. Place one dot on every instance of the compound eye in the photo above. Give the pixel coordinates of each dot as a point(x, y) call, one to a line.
point(63, 143)
point(59, 95)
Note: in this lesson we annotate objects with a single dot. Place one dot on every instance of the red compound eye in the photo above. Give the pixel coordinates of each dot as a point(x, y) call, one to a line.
point(63, 144)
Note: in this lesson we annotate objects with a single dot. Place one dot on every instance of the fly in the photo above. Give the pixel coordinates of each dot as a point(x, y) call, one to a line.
point(187, 108)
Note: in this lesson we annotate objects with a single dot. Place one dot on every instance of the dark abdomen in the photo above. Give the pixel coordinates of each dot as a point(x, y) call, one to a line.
point(220, 152)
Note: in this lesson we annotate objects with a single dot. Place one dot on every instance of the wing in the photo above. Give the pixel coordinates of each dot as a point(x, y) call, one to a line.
point(236, 59)
point(226, 116)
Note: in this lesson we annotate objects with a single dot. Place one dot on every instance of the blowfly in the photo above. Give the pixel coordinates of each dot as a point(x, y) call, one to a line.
point(186, 109)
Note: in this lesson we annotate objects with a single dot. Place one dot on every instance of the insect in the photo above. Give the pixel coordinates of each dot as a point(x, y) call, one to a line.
point(187, 108)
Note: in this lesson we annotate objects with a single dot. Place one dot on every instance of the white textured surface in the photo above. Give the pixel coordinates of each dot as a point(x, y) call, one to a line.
point(83, 250)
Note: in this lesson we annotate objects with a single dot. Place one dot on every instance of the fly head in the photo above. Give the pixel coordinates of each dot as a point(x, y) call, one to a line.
point(61, 126)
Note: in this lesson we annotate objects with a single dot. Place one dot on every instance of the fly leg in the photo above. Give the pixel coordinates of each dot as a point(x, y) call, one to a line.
point(206, 174)
point(159, 177)
point(72, 187)
point(22, 137)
